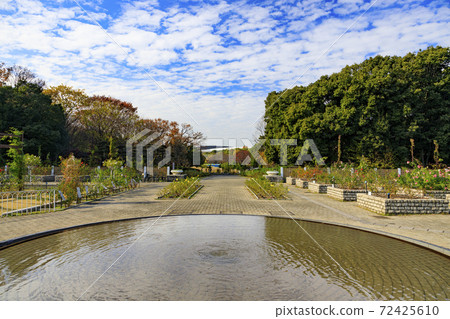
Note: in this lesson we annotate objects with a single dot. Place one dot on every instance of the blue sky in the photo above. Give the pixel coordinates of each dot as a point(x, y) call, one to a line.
point(209, 63)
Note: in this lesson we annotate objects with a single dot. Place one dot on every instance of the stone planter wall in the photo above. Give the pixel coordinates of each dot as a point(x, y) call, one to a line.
point(318, 188)
point(344, 194)
point(434, 194)
point(437, 194)
point(301, 183)
point(386, 206)
point(290, 180)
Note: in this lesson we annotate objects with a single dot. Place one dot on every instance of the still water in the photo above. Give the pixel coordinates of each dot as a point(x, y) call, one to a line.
point(216, 257)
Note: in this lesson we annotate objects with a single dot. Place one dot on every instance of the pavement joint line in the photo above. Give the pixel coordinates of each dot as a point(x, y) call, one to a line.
point(227, 194)
point(134, 242)
point(359, 219)
point(369, 295)
point(328, 207)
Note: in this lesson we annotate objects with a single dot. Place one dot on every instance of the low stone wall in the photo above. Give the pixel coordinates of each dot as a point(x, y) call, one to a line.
point(441, 194)
point(318, 188)
point(395, 206)
point(290, 180)
point(437, 194)
point(301, 183)
point(344, 194)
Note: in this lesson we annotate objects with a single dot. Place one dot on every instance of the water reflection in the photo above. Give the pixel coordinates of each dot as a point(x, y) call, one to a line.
point(221, 258)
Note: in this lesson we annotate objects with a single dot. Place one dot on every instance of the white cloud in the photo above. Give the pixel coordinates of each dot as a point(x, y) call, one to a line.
point(7, 5)
point(218, 61)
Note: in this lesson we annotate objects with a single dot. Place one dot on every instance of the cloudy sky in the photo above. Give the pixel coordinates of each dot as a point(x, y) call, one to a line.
point(209, 63)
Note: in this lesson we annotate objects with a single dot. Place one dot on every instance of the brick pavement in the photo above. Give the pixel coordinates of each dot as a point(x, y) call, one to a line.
point(228, 195)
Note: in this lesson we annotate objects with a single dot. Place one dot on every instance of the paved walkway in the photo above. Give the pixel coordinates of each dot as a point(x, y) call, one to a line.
point(228, 195)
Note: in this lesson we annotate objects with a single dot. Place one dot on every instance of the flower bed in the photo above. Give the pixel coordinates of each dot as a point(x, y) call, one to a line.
point(421, 178)
point(344, 194)
point(265, 189)
point(318, 188)
point(180, 188)
point(290, 180)
point(399, 206)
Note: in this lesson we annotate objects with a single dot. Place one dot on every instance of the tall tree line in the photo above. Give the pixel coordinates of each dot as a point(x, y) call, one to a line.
point(24, 106)
point(376, 109)
point(60, 120)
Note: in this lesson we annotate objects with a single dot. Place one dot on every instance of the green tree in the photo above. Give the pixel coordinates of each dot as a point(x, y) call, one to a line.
point(375, 107)
point(17, 159)
point(26, 108)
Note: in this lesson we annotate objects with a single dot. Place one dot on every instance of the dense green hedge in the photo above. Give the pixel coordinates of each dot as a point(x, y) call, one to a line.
point(376, 107)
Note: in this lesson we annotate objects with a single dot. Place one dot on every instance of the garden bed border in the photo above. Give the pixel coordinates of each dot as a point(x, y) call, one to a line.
point(398, 206)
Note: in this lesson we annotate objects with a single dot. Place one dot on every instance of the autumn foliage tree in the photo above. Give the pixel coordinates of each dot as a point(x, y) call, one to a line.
point(181, 138)
point(105, 125)
point(99, 127)
point(4, 74)
point(71, 100)
point(62, 120)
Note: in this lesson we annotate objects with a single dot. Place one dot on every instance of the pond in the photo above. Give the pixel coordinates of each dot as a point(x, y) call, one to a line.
point(217, 257)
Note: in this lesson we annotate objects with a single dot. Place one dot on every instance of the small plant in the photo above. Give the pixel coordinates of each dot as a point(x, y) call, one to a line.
point(259, 172)
point(386, 183)
point(323, 178)
point(354, 178)
point(339, 149)
point(4, 182)
point(266, 189)
point(310, 173)
point(438, 161)
point(422, 178)
point(192, 172)
point(71, 169)
point(180, 188)
point(41, 170)
point(411, 140)
point(32, 160)
point(17, 165)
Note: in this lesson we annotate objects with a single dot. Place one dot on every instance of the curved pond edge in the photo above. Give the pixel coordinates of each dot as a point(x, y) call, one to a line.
point(435, 248)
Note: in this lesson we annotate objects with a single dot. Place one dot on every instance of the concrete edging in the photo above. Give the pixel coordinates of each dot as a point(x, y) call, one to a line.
point(438, 249)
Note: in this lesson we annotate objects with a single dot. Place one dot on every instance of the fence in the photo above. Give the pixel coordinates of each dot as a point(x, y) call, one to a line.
point(27, 202)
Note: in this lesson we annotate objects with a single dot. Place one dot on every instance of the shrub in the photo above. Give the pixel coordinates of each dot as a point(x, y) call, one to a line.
point(193, 172)
point(5, 183)
point(266, 189)
point(115, 173)
point(180, 188)
point(348, 177)
point(310, 173)
point(32, 160)
point(17, 165)
point(422, 178)
point(259, 172)
point(71, 169)
point(387, 183)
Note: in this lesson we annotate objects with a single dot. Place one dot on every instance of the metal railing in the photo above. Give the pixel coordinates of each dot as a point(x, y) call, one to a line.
point(27, 202)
